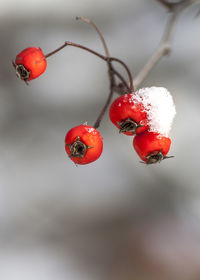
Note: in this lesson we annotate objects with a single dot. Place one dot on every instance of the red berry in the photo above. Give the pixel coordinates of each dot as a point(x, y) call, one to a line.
point(30, 63)
point(151, 147)
point(128, 114)
point(83, 144)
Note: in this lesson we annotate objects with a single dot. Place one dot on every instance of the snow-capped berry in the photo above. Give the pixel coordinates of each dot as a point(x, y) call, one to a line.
point(148, 108)
point(159, 107)
point(83, 144)
point(30, 63)
point(128, 114)
point(151, 147)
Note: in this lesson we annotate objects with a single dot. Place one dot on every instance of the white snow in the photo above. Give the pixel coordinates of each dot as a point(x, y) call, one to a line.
point(159, 106)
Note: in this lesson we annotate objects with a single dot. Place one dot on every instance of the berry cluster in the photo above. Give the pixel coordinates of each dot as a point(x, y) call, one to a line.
point(146, 114)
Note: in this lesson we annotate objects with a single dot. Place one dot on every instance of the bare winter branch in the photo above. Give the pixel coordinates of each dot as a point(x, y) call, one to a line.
point(165, 45)
point(166, 4)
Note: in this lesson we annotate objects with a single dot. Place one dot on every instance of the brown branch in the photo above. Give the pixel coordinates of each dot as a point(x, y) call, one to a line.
point(88, 20)
point(68, 43)
point(123, 81)
point(99, 119)
point(110, 59)
point(166, 4)
point(122, 87)
point(181, 4)
point(111, 72)
point(165, 46)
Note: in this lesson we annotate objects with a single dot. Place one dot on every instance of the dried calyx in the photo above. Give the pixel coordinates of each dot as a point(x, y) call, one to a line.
point(128, 125)
point(21, 71)
point(78, 148)
point(155, 157)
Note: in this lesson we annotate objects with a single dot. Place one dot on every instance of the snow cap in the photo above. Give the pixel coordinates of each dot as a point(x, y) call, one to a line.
point(160, 108)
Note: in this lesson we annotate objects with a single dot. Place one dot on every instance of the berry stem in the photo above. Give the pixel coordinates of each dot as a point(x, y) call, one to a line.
point(99, 119)
point(110, 66)
point(110, 59)
point(68, 43)
point(111, 71)
point(131, 88)
point(105, 58)
point(88, 20)
point(112, 85)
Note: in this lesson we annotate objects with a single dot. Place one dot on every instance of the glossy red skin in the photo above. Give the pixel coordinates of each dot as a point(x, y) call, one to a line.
point(122, 109)
point(148, 142)
point(90, 137)
point(33, 60)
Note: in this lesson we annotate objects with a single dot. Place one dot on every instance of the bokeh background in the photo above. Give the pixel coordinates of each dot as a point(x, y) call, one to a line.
point(116, 218)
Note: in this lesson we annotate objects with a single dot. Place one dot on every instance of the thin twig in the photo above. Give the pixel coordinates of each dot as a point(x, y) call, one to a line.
point(124, 83)
point(68, 43)
point(110, 72)
point(99, 118)
point(88, 20)
point(127, 70)
point(166, 4)
point(109, 59)
point(114, 71)
point(165, 45)
point(110, 66)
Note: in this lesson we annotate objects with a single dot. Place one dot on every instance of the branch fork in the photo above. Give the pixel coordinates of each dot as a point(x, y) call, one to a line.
point(163, 49)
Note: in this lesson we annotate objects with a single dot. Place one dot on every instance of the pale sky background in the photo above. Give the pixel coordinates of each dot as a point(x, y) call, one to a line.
point(62, 222)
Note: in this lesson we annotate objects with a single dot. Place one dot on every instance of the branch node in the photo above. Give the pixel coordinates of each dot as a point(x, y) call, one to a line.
point(166, 4)
point(166, 49)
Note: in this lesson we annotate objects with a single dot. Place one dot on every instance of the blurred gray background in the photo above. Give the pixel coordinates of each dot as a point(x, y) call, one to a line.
point(116, 218)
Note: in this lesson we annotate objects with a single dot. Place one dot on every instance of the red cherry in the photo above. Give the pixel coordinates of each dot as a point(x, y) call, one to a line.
point(151, 147)
point(83, 144)
point(30, 63)
point(128, 114)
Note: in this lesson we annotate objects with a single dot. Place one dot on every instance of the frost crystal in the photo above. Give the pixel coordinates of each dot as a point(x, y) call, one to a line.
point(90, 129)
point(159, 106)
